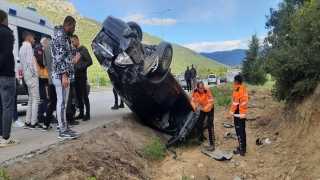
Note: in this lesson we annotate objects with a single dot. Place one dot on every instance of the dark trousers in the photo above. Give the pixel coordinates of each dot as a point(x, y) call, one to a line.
point(116, 98)
point(82, 94)
point(15, 106)
point(51, 105)
point(210, 126)
point(70, 111)
point(188, 84)
point(44, 98)
point(240, 126)
point(7, 89)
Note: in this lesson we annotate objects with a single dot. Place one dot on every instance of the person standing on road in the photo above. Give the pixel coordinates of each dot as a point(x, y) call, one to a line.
point(7, 82)
point(239, 110)
point(194, 77)
point(15, 117)
point(187, 77)
point(116, 106)
point(80, 69)
point(43, 80)
point(203, 96)
point(62, 71)
point(31, 77)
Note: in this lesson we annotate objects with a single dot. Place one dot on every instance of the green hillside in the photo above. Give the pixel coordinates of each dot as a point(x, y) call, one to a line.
point(86, 29)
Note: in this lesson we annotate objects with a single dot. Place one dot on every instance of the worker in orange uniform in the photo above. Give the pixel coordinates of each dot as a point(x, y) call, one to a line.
point(203, 96)
point(239, 110)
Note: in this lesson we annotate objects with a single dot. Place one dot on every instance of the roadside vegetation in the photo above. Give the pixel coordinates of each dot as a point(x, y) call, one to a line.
point(154, 149)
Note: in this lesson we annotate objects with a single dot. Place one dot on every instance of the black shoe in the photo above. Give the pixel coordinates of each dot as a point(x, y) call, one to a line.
point(115, 107)
point(238, 149)
point(72, 122)
point(36, 125)
point(80, 116)
point(27, 126)
point(45, 128)
point(239, 152)
point(86, 118)
point(121, 106)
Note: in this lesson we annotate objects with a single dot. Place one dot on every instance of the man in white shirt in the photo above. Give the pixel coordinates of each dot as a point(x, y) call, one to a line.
point(31, 77)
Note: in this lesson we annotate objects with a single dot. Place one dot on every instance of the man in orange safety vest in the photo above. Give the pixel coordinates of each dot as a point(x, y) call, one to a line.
point(239, 110)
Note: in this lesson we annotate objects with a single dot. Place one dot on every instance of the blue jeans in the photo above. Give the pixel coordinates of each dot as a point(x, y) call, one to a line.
point(15, 107)
point(7, 86)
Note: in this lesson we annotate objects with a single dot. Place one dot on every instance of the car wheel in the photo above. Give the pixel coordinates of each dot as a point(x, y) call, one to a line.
point(135, 27)
point(164, 50)
point(208, 83)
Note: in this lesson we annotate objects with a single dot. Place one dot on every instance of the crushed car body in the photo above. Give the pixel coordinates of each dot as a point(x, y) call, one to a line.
point(140, 75)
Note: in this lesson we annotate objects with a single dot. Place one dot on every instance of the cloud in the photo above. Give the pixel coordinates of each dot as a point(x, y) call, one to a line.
point(221, 46)
point(141, 18)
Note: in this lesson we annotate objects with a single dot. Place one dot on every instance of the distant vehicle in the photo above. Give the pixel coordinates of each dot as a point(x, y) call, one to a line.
point(223, 79)
point(212, 78)
point(231, 73)
point(181, 81)
point(22, 19)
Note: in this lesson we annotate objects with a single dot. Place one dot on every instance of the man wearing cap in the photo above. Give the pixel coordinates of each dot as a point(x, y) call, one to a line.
point(31, 77)
point(43, 79)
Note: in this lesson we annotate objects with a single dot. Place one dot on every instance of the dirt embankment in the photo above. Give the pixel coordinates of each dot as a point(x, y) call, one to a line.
point(115, 152)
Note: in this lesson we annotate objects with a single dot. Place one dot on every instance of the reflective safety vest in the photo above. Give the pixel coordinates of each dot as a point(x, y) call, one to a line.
point(240, 99)
point(204, 99)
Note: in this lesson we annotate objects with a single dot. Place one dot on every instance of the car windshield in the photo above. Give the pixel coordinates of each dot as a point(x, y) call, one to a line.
point(212, 76)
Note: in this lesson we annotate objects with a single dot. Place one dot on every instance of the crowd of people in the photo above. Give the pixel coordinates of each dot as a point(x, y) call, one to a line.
point(55, 76)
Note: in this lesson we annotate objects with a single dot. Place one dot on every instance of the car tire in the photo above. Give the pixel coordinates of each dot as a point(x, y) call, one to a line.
point(164, 51)
point(135, 27)
point(208, 83)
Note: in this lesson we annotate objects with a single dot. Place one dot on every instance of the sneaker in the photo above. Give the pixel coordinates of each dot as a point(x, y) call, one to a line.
point(18, 123)
point(115, 107)
point(27, 125)
point(67, 134)
point(121, 106)
point(239, 152)
point(86, 118)
point(45, 128)
point(74, 132)
point(210, 148)
point(9, 142)
point(36, 125)
point(72, 122)
point(80, 116)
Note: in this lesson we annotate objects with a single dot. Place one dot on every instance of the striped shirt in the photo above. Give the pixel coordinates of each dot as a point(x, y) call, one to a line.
point(27, 61)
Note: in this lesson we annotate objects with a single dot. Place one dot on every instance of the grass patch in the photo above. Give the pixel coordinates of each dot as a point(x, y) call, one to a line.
point(4, 175)
point(222, 94)
point(154, 149)
point(267, 86)
point(184, 177)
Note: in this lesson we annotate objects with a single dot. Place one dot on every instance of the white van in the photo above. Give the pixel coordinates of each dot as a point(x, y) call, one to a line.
point(25, 19)
point(212, 78)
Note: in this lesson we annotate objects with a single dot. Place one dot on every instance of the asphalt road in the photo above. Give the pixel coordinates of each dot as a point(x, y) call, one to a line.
point(31, 140)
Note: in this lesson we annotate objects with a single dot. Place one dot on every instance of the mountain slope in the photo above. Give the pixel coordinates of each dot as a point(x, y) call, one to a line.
point(57, 10)
point(230, 58)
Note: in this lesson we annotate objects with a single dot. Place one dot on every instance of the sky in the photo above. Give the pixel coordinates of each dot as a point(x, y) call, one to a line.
point(200, 25)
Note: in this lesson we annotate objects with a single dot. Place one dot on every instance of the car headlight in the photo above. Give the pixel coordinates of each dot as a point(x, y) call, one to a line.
point(123, 59)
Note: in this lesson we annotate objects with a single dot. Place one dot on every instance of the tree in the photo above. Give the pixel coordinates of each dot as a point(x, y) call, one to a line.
point(252, 68)
point(291, 52)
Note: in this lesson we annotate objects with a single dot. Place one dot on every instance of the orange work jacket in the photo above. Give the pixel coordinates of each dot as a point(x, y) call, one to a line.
point(239, 102)
point(205, 100)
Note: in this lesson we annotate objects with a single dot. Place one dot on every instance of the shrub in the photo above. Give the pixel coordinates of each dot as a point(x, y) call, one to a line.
point(154, 149)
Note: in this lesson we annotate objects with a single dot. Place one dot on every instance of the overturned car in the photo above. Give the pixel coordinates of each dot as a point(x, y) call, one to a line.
point(140, 75)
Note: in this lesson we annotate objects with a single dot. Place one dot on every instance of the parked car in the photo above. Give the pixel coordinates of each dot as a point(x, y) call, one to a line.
point(181, 81)
point(223, 79)
point(212, 78)
point(140, 75)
